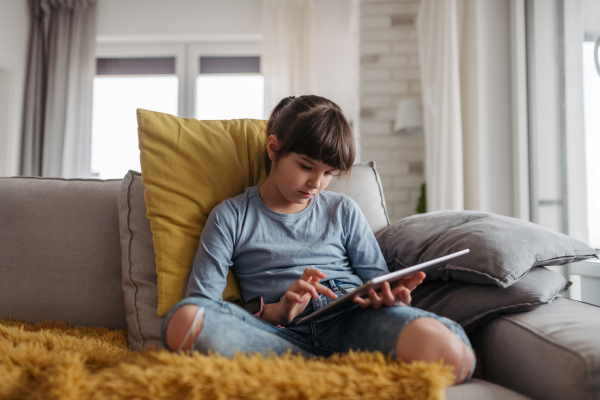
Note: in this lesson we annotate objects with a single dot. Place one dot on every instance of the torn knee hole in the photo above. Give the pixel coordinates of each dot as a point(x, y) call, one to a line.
point(184, 328)
point(467, 361)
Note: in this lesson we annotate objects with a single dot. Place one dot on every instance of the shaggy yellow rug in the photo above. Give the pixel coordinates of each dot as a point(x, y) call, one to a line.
point(59, 361)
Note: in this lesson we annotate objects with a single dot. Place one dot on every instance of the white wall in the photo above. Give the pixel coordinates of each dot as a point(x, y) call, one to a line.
point(337, 54)
point(198, 21)
point(14, 31)
point(189, 19)
point(389, 72)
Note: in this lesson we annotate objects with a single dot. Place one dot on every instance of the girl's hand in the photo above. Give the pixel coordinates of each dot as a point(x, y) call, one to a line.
point(398, 295)
point(296, 298)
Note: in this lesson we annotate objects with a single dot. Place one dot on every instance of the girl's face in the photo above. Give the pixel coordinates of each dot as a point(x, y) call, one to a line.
point(300, 178)
point(296, 179)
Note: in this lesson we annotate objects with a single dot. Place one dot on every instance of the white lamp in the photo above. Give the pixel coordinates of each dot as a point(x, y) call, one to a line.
point(408, 117)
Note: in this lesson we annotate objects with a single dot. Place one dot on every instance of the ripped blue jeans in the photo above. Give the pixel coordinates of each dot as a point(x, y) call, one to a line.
point(228, 328)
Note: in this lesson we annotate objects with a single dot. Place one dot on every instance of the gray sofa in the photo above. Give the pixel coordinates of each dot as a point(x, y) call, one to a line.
point(61, 258)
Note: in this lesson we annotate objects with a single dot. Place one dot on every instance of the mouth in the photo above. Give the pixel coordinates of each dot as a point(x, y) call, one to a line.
point(306, 194)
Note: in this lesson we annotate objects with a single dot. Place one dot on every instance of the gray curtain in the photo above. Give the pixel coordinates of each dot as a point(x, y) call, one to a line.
point(57, 114)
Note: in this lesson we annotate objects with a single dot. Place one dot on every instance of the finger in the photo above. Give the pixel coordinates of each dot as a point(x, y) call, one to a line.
point(411, 282)
point(386, 294)
point(307, 287)
point(363, 303)
point(312, 273)
point(402, 294)
point(325, 290)
point(293, 297)
point(376, 301)
point(414, 281)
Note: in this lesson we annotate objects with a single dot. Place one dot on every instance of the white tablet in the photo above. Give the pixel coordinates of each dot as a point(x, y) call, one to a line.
point(375, 283)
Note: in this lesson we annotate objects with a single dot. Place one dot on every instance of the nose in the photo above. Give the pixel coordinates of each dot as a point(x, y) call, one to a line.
point(315, 181)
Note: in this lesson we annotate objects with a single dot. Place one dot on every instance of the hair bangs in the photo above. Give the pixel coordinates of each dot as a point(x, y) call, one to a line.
point(323, 134)
point(315, 127)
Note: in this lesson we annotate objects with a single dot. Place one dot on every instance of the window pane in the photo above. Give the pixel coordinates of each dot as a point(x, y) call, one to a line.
point(547, 131)
point(229, 96)
point(591, 101)
point(114, 123)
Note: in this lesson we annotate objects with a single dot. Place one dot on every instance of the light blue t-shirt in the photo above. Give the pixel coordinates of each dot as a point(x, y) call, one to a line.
point(268, 251)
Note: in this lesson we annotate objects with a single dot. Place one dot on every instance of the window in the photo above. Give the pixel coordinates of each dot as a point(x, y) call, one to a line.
point(121, 86)
point(547, 136)
point(213, 80)
point(229, 87)
point(561, 131)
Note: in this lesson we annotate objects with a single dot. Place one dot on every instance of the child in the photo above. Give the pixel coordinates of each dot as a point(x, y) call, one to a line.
point(297, 247)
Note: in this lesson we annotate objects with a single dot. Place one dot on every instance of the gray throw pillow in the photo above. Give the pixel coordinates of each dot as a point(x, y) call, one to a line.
point(138, 267)
point(472, 305)
point(503, 249)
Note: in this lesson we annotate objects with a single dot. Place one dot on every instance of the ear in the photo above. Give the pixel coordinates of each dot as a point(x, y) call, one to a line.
point(272, 146)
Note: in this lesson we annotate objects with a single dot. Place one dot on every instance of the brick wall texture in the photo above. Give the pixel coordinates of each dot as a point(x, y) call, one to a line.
point(389, 72)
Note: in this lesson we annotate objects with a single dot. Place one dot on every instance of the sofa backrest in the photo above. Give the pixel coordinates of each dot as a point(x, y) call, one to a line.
point(60, 257)
point(60, 250)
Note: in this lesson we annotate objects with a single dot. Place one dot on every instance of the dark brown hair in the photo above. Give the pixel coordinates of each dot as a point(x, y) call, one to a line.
point(315, 127)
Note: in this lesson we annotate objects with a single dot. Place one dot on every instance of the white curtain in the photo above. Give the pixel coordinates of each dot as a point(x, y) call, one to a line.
point(465, 58)
point(58, 99)
point(439, 25)
point(287, 61)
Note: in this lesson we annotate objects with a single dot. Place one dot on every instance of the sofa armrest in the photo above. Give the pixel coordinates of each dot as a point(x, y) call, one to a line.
point(552, 352)
point(60, 257)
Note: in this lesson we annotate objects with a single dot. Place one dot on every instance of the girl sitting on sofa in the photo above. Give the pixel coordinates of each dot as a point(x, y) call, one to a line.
point(296, 248)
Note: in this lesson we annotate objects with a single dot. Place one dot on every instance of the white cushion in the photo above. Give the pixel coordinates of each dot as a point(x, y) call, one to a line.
point(364, 186)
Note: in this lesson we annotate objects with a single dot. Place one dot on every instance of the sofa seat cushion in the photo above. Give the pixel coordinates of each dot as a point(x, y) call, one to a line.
point(478, 389)
point(59, 251)
point(550, 353)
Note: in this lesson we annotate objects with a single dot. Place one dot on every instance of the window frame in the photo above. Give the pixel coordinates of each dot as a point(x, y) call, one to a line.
point(187, 55)
point(131, 50)
point(214, 49)
point(187, 59)
point(588, 39)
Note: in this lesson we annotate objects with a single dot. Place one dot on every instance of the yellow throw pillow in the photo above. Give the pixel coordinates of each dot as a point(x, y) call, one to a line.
point(189, 167)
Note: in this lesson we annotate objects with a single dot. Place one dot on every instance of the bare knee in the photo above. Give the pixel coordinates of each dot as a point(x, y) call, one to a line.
point(429, 340)
point(180, 324)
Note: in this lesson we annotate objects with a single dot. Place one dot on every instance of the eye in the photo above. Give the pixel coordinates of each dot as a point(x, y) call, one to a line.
point(306, 168)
